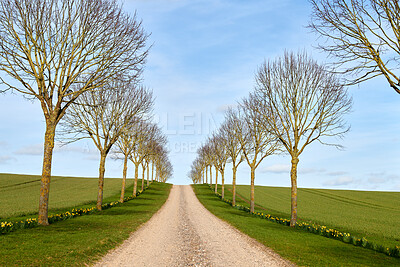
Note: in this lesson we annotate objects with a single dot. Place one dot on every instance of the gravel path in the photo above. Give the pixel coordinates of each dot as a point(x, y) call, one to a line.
point(184, 233)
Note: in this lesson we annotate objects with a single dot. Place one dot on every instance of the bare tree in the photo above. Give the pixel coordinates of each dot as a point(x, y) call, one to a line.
point(143, 133)
point(54, 50)
point(364, 35)
point(126, 144)
point(213, 145)
point(104, 115)
point(302, 102)
point(221, 157)
point(230, 126)
point(256, 144)
point(206, 155)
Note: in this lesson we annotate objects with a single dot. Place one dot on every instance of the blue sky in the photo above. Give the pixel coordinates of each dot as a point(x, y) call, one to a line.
point(203, 59)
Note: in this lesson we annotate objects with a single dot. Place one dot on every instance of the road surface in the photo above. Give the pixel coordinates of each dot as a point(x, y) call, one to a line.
point(184, 233)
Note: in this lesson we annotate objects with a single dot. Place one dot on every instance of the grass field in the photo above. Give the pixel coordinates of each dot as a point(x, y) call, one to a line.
point(374, 215)
point(300, 247)
point(19, 194)
point(82, 240)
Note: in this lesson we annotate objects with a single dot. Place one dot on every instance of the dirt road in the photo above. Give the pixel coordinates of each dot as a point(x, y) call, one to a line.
point(184, 233)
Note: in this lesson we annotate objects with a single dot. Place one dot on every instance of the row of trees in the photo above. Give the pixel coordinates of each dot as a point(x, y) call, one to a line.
point(296, 101)
point(82, 60)
point(119, 114)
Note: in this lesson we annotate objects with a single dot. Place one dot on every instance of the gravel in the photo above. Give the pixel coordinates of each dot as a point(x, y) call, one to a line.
point(184, 233)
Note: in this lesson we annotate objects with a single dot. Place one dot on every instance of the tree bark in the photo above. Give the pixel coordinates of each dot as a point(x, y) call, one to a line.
point(293, 178)
point(223, 184)
point(210, 175)
point(121, 199)
point(148, 173)
point(234, 185)
point(206, 175)
point(102, 170)
point(143, 170)
point(46, 173)
point(216, 180)
point(253, 174)
point(152, 171)
point(136, 179)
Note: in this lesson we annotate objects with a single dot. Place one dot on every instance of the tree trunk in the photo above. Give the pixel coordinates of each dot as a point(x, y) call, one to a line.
point(234, 185)
point(136, 179)
point(148, 174)
point(143, 170)
point(216, 180)
point(253, 174)
point(121, 199)
point(293, 178)
point(102, 170)
point(152, 171)
point(46, 173)
point(206, 175)
point(210, 175)
point(223, 183)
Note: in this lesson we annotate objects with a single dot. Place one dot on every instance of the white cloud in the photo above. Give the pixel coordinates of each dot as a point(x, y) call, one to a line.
point(33, 150)
point(377, 180)
point(277, 168)
point(285, 168)
point(6, 159)
point(344, 180)
point(381, 177)
point(310, 170)
point(337, 173)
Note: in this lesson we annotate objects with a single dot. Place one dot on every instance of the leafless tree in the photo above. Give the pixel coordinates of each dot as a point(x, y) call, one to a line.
point(301, 102)
point(256, 144)
point(213, 146)
point(230, 126)
point(221, 157)
point(205, 154)
point(156, 144)
point(126, 144)
point(104, 115)
point(144, 131)
point(54, 50)
point(364, 36)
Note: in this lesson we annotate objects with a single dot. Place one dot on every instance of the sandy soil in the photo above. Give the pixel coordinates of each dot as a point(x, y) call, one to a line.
point(184, 233)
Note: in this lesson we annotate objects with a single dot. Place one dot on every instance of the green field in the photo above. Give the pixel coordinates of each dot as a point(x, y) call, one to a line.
point(19, 194)
point(79, 241)
point(302, 248)
point(374, 215)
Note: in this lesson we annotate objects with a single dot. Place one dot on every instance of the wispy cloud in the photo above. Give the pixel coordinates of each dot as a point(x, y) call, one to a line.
point(285, 168)
point(343, 180)
point(277, 168)
point(382, 177)
point(6, 159)
point(337, 173)
point(31, 150)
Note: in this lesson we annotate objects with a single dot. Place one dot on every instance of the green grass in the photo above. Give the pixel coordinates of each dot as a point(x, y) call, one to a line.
point(374, 215)
point(300, 247)
point(82, 240)
point(19, 194)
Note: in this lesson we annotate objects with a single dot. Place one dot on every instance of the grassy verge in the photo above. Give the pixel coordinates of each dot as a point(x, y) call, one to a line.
point(295, 245)
point(19, 194)
point(370, 214)
point(81, 240)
